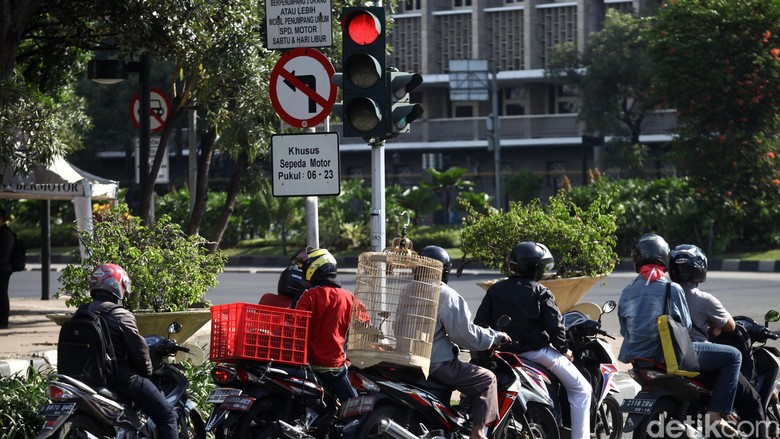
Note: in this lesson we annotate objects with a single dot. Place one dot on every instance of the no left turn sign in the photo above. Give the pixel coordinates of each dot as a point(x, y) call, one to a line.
point(301, 89)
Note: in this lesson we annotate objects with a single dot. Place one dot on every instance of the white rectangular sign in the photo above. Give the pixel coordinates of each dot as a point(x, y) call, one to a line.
point(162, 174)
point(305, 164)
point(298, 23)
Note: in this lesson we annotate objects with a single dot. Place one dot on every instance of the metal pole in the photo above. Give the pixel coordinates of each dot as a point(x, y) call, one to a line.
point(45, 248)
point(144, 136)
point(378, 226)
point(312, 214)
point(193, 158)
point(497, 140)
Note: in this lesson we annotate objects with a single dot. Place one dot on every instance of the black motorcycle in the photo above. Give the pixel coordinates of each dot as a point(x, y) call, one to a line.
point(78, 410)
point(263, 399)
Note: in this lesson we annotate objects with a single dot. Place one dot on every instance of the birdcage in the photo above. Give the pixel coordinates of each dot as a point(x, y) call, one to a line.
point(395, 316)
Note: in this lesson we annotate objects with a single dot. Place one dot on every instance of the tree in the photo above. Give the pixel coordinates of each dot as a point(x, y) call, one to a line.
point(614, 72)
point(447, 182)
point(421, 201)
point(718, 63)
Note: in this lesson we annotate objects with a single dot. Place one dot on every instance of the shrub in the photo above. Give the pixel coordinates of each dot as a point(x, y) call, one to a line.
point(581, 239)
point(170, 271)
point(20, 398)
point(443, 236)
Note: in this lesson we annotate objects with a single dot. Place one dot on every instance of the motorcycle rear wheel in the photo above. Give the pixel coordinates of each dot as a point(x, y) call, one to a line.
point(609, 418)
point(258, 422)
point(195, 428)
point(541, 421)
point(662, 414)
point(76, 426)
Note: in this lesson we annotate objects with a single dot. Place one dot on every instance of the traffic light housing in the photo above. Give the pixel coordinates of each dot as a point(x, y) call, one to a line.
point(401, 111)
point(364, 82)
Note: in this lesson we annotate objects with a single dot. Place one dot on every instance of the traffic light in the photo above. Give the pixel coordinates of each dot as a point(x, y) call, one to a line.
point(363, 75)
point(401, 111)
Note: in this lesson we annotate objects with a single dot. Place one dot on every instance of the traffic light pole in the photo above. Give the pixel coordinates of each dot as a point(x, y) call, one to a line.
point(497, 140)
point(378, 226)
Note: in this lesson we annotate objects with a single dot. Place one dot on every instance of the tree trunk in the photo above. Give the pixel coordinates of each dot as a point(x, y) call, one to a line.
point(227, 209)
point(202, 186)
point(14, 16)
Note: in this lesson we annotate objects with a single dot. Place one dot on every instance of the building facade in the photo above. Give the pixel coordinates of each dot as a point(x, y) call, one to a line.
point(483, 57)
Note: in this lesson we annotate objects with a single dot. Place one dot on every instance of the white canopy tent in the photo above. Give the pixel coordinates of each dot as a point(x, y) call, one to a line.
point(59, 181)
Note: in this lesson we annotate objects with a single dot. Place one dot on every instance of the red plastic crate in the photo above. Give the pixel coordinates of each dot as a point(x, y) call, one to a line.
point(245, 331)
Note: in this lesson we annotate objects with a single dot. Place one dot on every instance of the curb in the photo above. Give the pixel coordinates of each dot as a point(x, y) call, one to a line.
point(43, 362)
point(275, 263)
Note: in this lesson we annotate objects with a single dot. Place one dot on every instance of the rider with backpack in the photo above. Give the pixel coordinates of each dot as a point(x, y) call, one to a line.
point(108, 285)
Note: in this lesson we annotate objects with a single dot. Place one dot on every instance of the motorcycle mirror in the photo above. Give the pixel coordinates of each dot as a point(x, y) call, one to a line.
point(608, 306)
point(771, 316)
point(174, 328)
point(503, 321)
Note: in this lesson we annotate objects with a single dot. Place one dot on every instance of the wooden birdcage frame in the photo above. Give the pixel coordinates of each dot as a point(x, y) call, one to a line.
point(397, 294)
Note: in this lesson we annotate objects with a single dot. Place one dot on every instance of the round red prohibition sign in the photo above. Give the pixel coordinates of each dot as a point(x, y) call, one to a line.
point(159, 109)
point(301, 89)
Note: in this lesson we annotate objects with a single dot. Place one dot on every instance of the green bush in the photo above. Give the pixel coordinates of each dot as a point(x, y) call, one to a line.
point(170, 271)
point(442, 235)
point(581, 239)
point(21, 396)
point(669, 207)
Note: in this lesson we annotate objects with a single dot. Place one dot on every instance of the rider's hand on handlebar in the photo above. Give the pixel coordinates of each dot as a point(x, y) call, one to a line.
point(568, 355)
point(501, 338)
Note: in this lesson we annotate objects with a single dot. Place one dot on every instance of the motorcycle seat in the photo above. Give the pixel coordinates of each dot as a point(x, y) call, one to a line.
point(705, 378)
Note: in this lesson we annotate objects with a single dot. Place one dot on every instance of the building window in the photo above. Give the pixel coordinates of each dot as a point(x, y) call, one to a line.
point(411, 5)
point(461, 3)
point(432, 160)
point(555, 172)
point(464, 111)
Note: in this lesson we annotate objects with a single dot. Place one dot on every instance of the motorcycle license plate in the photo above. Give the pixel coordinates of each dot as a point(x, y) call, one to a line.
point(637, 405)
point(57, 410)
point(218, 396)
point(238, 403)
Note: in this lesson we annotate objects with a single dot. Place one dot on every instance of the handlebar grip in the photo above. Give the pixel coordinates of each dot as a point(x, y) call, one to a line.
point(182, 348)
point(771, 335)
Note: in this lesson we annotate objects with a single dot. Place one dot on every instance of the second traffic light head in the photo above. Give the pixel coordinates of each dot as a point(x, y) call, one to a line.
point(402, 111)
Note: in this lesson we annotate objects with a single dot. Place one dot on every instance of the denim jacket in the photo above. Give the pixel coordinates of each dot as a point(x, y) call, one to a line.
point(638, 310)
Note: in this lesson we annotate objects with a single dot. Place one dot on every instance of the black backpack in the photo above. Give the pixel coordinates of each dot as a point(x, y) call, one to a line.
point(18, 257)
point(85, 350)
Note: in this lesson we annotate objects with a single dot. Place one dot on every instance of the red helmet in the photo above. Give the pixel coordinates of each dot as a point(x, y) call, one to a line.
point(110, 278)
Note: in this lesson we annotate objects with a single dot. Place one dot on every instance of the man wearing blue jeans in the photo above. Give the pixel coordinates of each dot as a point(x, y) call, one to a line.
point(644, 299)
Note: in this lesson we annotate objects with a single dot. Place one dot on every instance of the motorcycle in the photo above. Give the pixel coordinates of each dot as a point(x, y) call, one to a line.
point(766, 360)
point(678, 404)
point(399, 402)
point(262, 399)
point(77, 409)
point(593, 356)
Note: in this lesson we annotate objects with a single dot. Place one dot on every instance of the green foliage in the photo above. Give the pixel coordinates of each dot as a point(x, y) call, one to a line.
point(629, 159)
point(581, 239)
point(200, 384)
point(445, 236)
point(667, 206)
point(614, 72)
point(351, 207)
point(448, 184)
point(20, 398)
point(524, 186)
point(420, 201)
point(170, 271)
point(718, 65)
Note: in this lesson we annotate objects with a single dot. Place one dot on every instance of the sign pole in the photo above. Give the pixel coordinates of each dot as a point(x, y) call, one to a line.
point(312, 214)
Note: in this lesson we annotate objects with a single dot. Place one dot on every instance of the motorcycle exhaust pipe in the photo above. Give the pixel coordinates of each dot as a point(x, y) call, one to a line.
point(292, 432)
point(395, 430)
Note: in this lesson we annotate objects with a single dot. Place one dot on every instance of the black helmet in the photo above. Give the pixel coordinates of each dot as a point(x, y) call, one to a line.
point(317, 265)
point(530, 260)
point(291, 282)
point(688, 264)
point(650, 249)
point(441, 255)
